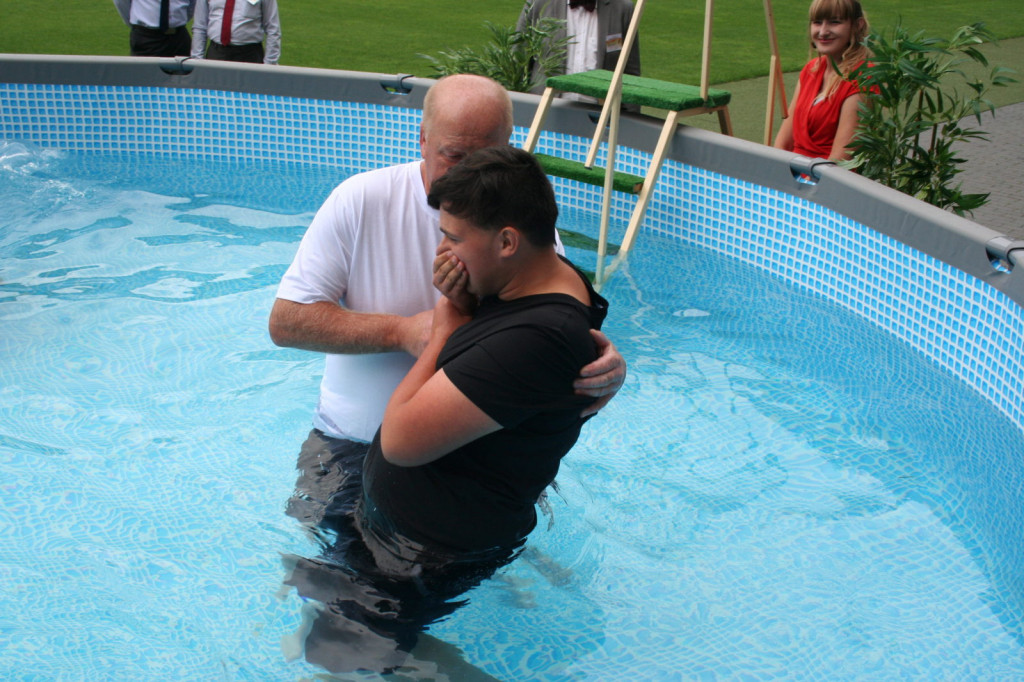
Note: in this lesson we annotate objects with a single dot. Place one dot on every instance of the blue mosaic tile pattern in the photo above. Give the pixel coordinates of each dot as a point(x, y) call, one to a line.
point(965, 326)
point(208, 124)
point(958, 321)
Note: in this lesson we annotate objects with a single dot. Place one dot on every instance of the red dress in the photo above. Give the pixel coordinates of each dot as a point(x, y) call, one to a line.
point(814, 125)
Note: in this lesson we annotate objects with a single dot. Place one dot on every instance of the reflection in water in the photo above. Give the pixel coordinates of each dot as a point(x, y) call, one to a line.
point(891, 545)
point(369, 595)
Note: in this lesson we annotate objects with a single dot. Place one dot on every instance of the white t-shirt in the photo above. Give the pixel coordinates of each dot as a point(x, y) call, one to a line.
point(371, 249)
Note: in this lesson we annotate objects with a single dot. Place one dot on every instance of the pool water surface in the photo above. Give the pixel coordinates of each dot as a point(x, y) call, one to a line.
point(780, 489)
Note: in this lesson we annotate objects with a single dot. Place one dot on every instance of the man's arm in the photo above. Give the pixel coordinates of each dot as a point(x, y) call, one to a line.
point(124, 8)
point(528, 15)
point(272, 28)
point(428, 416)
point(199, 24)
point(308, 314)
point(603, 377)
point(327, 327)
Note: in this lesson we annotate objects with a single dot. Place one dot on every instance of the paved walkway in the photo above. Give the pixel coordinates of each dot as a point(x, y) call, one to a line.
point(996, 166)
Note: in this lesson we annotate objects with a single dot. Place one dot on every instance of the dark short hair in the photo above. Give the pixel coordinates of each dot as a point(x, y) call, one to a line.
point(497, 187)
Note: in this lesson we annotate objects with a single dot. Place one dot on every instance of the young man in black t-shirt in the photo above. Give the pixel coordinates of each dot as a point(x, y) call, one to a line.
point(477, 428)
point(475, 431)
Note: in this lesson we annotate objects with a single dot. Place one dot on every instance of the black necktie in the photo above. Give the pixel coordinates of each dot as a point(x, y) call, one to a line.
point(165, 15)
point(585, 4)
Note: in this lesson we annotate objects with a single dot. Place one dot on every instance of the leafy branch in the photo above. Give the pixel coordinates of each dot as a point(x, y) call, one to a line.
point(919, 99)
point(510, 55)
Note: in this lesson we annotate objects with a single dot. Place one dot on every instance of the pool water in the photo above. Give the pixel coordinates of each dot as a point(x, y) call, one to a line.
point(780, 489)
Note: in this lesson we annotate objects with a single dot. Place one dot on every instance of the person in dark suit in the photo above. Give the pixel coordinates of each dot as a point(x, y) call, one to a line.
point(597, 27)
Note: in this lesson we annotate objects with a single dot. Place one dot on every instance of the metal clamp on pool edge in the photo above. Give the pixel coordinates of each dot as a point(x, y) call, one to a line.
point(1004, 252)
point(396, 85)
point(176, 66)
point(806, 169)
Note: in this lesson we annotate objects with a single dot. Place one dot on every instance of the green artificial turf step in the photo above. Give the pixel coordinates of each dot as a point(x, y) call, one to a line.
point(575, 170)
point(648, 92)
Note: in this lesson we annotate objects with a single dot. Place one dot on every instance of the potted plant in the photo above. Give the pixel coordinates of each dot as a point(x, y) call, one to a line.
point(919, 106)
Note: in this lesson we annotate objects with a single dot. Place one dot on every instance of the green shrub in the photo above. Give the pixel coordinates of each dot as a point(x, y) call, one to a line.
point(918, 108)
point(509, 55)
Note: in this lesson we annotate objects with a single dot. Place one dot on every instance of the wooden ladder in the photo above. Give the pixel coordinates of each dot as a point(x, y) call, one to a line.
point(616, 88)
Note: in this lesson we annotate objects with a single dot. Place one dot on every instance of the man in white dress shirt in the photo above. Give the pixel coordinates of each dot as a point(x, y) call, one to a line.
point(158, 26)
point(237, 29)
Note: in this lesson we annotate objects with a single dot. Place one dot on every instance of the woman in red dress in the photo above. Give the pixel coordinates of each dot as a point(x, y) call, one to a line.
point(823, 114)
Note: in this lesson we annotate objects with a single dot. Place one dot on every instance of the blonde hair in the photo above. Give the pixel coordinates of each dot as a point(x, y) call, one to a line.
point(855, 52)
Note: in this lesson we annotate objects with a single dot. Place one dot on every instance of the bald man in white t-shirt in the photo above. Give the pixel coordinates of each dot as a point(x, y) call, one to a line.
point(360, 287)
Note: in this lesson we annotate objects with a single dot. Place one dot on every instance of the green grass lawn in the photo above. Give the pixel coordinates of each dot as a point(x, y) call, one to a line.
point(386, 36)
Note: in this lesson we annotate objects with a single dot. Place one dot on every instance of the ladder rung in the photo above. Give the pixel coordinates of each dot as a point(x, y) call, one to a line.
point(575, 170)
point(577, 240)
point(648, 92)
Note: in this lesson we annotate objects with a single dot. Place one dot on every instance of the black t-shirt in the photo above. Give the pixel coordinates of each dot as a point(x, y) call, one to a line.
point(515, 360)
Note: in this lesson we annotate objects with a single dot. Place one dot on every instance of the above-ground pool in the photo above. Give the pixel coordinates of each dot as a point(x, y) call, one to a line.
point(814, 470)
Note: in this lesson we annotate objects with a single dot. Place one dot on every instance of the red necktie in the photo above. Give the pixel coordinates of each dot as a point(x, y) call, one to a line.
point(225, 24)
